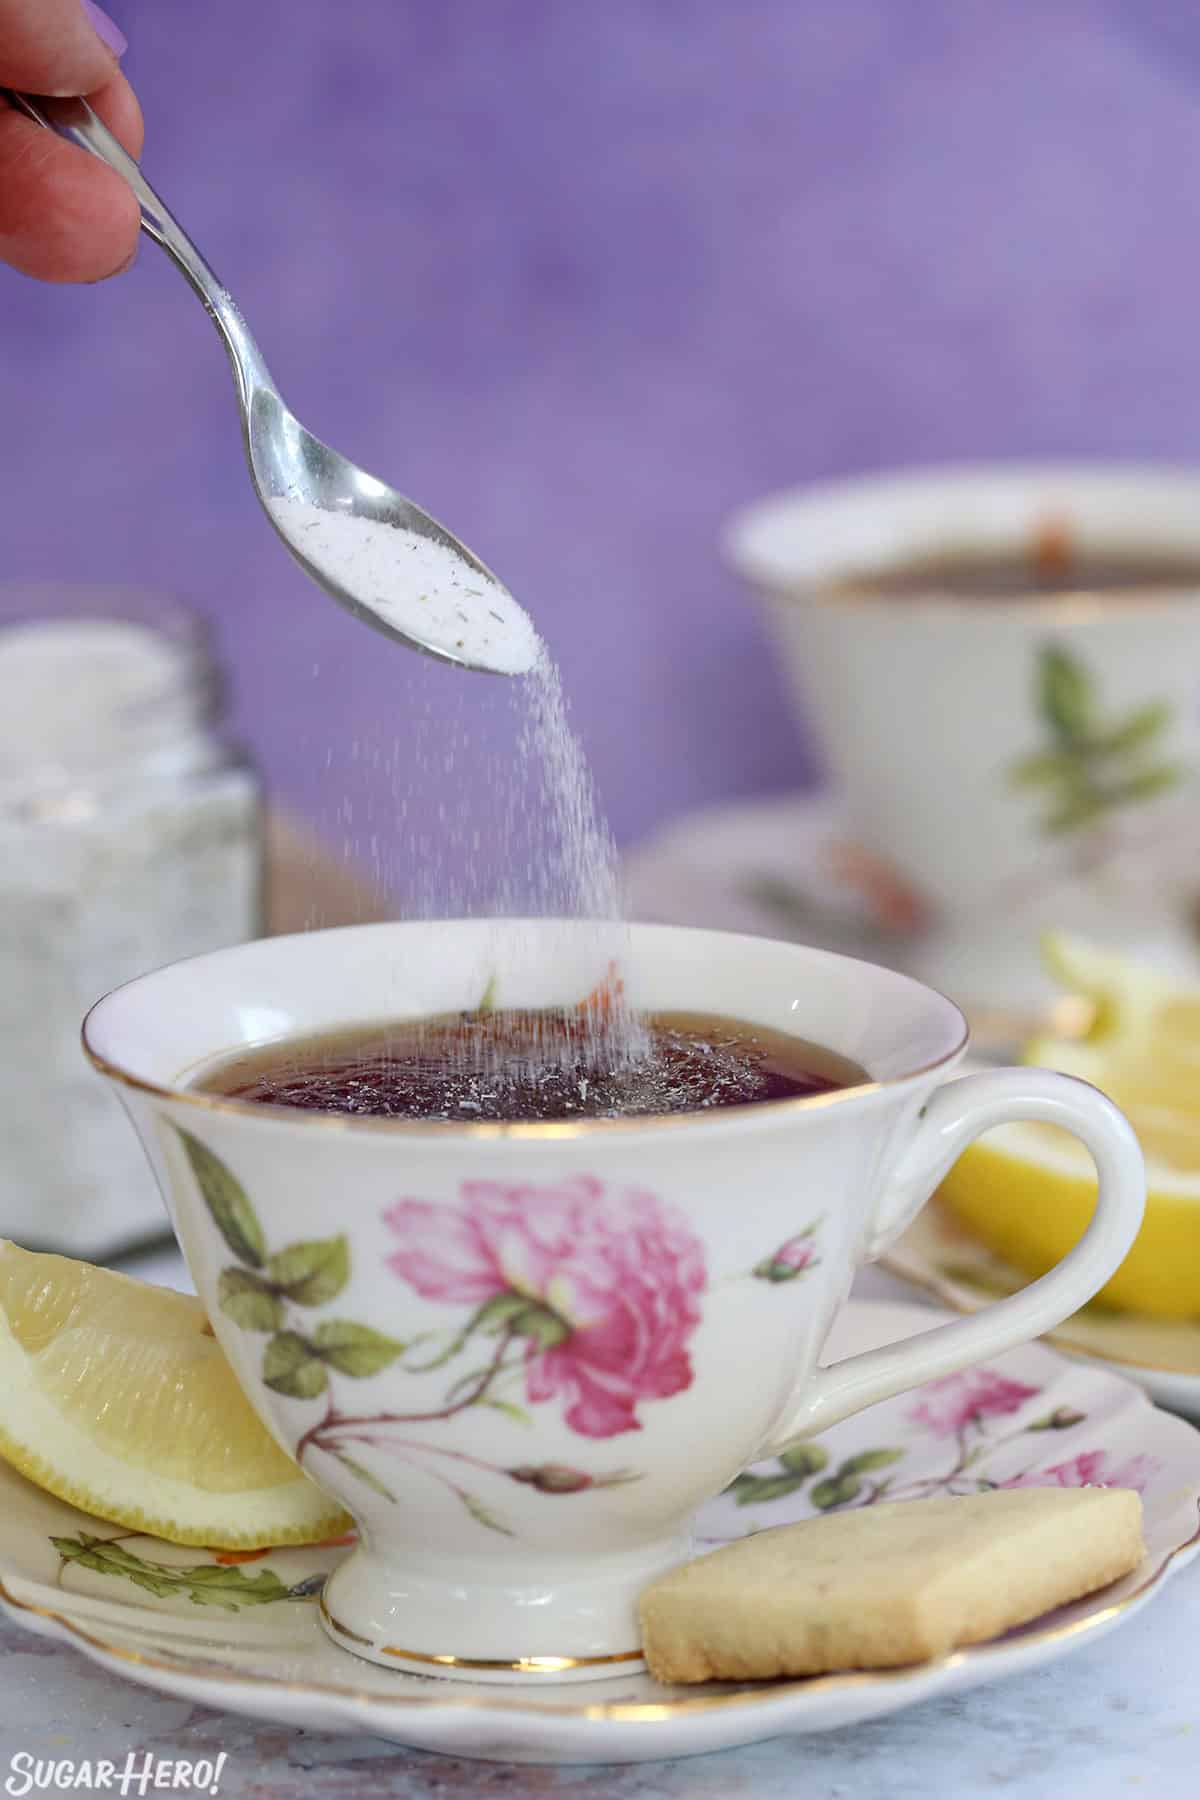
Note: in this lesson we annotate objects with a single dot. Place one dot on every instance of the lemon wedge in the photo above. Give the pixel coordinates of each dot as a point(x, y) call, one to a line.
point(1028, 1191)
point(116, 1397)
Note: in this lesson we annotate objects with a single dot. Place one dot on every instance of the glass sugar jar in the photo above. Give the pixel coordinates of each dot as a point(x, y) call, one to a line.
point(130, 836)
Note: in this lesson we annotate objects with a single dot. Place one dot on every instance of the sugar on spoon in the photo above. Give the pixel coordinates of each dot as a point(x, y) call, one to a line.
point(379, 555)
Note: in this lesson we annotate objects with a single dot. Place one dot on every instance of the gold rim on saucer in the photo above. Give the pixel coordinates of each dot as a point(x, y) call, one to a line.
point(625, 1711)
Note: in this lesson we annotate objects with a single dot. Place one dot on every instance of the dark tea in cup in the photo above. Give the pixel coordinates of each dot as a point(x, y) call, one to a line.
point(532, 1064)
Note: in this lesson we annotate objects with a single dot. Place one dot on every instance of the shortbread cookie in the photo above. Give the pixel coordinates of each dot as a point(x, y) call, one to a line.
point(886, 1585)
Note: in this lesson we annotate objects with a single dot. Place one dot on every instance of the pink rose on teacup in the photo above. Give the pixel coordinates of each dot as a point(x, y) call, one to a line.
point(604, 1299)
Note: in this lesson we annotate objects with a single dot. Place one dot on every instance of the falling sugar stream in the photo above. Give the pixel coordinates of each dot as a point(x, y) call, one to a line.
point(468, 797)
point(579, 876)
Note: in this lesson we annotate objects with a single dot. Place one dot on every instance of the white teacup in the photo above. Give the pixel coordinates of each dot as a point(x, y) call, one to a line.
point(523, 1355)
point(1030, 756)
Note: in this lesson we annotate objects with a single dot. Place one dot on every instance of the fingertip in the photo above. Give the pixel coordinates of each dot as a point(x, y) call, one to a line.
point(51, 47)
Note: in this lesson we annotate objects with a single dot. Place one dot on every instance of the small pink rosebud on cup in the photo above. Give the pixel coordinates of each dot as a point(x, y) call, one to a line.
point(791, 1259)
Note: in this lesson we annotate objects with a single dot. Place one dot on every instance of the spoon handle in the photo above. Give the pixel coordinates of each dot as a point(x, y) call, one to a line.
point(75, 120)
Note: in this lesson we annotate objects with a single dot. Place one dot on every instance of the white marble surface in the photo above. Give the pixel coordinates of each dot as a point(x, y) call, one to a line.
point(1116, 1720)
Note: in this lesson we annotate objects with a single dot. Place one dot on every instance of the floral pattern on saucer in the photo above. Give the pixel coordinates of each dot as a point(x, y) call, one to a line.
point(998, 1432)
point(1030, 1414)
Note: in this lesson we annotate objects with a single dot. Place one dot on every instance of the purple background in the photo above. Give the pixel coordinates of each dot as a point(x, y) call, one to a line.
point(582, 279)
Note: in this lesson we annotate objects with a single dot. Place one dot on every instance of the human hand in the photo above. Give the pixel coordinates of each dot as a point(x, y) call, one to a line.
point(64, 216)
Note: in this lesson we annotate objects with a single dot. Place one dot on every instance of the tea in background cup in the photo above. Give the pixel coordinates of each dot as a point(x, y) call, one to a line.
point(1003, 665)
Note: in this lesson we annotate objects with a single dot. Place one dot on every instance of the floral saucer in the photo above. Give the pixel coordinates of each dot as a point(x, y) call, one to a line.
point(1162, 1355)
point(240, 1633)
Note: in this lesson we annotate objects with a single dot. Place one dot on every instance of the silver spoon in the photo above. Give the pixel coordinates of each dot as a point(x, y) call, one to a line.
point(450, 604)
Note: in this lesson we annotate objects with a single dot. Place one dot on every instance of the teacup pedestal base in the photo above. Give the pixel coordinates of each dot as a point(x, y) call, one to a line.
point(494, 1619)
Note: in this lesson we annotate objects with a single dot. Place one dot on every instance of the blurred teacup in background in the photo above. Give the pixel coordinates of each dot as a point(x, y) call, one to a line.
point(1002, 664)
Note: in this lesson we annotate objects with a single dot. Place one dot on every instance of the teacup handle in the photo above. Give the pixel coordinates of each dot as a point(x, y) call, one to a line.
point(956, 1114)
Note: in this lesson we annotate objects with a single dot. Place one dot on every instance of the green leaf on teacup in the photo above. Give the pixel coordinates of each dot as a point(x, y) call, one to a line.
point(867, 1460)
point(509, 1408)
point(483, 1514)
point(1066, 696)
point(487, 1000)
point(804, 1458)
point(1041, 768)
point(355, 1349)
point(1138, 728)
point(838, 1491)
point(1146, 783)
point(364, 1474)
point(249, 1301)
point(227, 1201)
point(293, 1366)
point(312, 1273)
point(473, 1379)
point(1092, 765)
point(1076, 811)
point(756, 1490)
point(516, 1315)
